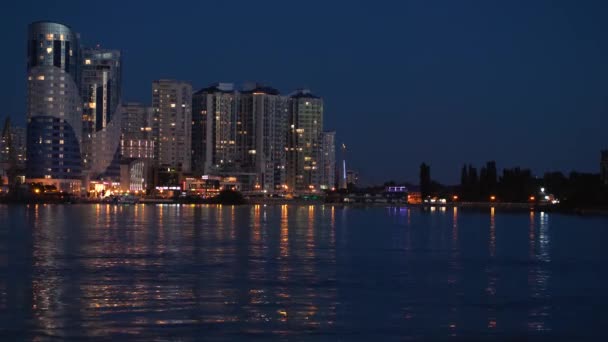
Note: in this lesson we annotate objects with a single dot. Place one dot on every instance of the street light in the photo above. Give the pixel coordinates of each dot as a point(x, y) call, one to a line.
point(492, 198)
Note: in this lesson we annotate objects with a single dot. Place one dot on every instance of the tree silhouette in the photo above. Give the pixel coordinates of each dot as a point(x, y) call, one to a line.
point(425, 180)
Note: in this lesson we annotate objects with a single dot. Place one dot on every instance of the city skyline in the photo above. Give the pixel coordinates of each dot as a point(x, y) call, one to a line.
point(81, 139)
point(517, 94)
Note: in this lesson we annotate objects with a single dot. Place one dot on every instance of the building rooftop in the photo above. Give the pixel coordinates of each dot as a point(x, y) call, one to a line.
point(303, 94)
point(217, 88)
point(49, 22)
point(260, 89)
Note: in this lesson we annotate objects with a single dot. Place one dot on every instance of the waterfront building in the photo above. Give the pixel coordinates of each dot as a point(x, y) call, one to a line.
point(214, 129)
point(137, 140)
point(328, 160)
point(262, 134)
point(352, 177)
point(305, 124)
point(12, 146)
point(101, 83)
point(18, 137)
point(135, 175)
point(342, 181)
point(54, 106)
point(172, 126)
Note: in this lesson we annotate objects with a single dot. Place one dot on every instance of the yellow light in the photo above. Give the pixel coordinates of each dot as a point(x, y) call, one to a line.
point(455, 197)
point(87, 61)
point(37, 191)
point(492, 198)
point(532, 198)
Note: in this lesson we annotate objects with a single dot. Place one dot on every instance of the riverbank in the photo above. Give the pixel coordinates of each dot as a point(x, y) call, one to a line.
point(511, 207)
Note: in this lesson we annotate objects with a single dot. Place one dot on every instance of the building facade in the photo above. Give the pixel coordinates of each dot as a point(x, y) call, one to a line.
point(352, 177)
point(137, 140)
point(101, 83)
point(328, 160)
point(172, 106)
point(54, 106)
point(305, 125)
point(263, 136)
point(12, 153)
point(214, 129)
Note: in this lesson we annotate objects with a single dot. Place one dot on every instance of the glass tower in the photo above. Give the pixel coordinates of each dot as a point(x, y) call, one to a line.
point(101, 75)
point(54, 106)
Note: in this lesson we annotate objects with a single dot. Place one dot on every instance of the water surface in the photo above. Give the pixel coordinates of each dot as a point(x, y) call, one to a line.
point(171, 272)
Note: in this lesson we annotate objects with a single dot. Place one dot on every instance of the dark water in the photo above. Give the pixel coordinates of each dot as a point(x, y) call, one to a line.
point(299, 273)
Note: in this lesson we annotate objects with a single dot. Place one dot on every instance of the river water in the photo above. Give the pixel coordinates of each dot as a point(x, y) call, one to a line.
point(297, 272)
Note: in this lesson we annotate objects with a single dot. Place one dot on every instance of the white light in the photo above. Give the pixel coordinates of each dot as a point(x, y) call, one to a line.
point(542, 190)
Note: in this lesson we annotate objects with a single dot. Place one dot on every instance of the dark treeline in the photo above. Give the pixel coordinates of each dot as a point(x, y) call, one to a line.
point(518, 185)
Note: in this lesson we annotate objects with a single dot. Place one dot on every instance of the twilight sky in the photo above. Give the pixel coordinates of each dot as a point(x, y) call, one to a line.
point(445, 82)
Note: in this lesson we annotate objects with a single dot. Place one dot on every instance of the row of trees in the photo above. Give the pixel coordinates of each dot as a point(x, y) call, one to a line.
point(517, 185)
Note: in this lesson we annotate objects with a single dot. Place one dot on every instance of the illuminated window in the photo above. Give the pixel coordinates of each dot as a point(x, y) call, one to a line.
point(173, 105)
point(40, 78)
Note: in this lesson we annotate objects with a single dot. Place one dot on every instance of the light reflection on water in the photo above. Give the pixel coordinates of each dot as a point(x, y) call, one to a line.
point(297, 272)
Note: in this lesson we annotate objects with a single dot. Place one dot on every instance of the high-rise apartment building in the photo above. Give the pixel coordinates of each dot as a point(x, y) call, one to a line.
point(172, 105)
point(137, 140)
point(54, 106)
point(262, 136)
point(12, 152)
point(214, 129)
point(342, 181)
point(328, 160)
point(352, 177)
point(305, 126)
point(101, 82)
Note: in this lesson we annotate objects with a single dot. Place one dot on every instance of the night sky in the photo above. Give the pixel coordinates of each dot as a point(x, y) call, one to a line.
point(445, 82)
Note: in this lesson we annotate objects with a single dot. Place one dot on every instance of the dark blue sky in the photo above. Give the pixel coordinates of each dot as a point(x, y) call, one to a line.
point(446, 82)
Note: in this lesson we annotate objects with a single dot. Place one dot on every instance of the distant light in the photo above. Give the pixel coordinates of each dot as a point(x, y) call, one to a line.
point(532, 198)
point(492, 198)
point(542, 190)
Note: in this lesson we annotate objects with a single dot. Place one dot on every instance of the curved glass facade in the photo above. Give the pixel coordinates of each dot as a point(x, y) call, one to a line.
point(56, 158)
point(54, 107)
point(101, 77)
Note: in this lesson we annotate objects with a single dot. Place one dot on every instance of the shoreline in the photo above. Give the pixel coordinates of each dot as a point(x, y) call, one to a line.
point(515, 207)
